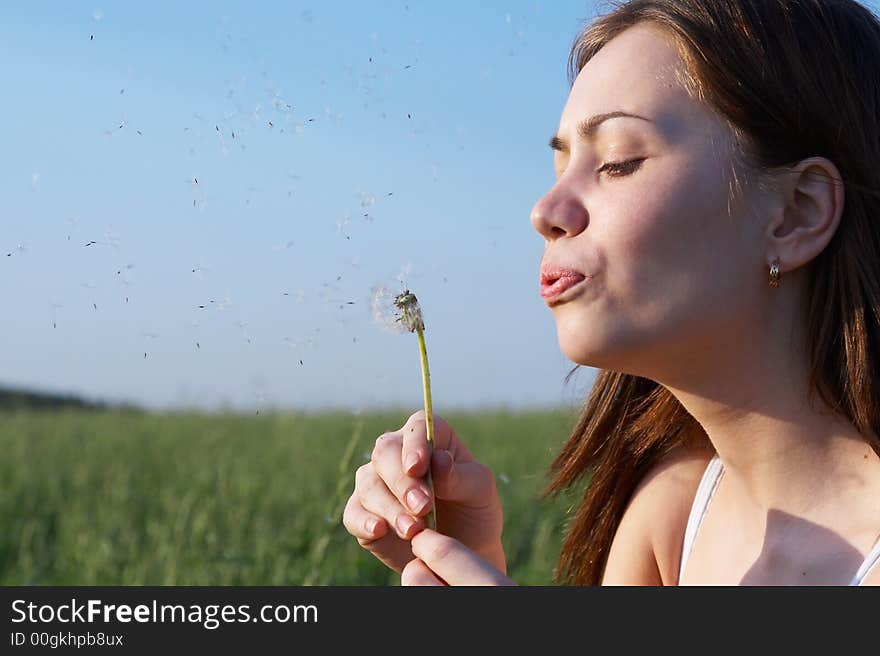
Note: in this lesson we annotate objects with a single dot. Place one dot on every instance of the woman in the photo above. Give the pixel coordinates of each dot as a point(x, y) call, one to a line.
point(713, 247)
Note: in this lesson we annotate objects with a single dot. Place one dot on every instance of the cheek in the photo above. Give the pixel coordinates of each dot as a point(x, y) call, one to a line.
point(671, 249)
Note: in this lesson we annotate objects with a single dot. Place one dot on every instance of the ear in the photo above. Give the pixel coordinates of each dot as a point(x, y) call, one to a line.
point(812, 199)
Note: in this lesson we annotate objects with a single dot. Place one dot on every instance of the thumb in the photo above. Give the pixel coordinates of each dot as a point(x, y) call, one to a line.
point(469, 483)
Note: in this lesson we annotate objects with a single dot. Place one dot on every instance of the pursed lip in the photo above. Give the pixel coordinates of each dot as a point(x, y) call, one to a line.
point(556, 280)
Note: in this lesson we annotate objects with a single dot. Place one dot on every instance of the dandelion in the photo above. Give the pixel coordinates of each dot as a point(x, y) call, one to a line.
point(404, 314)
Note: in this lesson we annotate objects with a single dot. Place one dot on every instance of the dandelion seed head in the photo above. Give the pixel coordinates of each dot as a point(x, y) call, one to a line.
point(398, 312)
point(410, 311)
point(384, 310)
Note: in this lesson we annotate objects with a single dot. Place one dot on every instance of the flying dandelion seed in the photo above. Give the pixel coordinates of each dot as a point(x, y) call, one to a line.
point(110, 239)
point(200, 270)
point(340, 226)
point(21, 249)
point(73, 223)
point(222, 305)
point(243, 326)
point(55, 308)
point(261, 399)
point(97, 15)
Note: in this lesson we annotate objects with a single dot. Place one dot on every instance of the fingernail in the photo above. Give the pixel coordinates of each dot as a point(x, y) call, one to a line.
point(404, 523)
point(411, 461)
point(371, 525)
point(416, 500)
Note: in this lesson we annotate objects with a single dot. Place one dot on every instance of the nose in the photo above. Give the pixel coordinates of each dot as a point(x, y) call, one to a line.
point(559, 213)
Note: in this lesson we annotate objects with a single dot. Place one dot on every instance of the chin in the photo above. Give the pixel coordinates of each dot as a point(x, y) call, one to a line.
point(582, 353)
point(599, 346)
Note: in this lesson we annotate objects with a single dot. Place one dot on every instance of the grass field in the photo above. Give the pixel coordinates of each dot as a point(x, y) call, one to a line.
point(126, 498)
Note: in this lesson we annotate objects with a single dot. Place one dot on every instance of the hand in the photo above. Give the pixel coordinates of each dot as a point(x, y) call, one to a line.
point(380, 514)
point(442, 560)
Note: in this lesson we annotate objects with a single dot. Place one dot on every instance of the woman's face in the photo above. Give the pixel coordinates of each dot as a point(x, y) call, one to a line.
point(671, 276)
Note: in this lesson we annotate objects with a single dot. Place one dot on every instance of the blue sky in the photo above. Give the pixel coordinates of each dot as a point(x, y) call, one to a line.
point(430, 119)
point(273, 162)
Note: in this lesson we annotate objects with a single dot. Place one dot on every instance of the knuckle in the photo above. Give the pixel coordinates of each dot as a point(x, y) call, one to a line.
point(441, 549)
point(362, 473)
point(418, 415)
point(401, 484)
point(369, 484)
point(411, 572)
point(382, 444)
point(348, 518)
point(367, 543)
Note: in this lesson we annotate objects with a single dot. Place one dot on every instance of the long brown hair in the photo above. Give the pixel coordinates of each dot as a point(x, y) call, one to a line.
point(792, 79)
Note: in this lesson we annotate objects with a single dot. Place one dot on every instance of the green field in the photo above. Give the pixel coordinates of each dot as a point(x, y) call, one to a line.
point(114, 497)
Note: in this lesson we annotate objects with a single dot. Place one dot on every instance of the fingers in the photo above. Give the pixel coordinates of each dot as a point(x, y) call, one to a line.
point(375, 498)
point(452, 562)
point(417, 573)
point(363, 525)
point(468, 483)
point(384, 544)
point(416, 454)
point(415, 433)
point(412, 494)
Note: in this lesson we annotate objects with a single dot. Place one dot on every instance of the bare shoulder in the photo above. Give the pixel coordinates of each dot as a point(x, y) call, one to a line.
point(673, 484)
point(647, 545)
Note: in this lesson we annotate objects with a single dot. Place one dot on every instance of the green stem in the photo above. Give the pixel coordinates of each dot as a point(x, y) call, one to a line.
point(431, 517)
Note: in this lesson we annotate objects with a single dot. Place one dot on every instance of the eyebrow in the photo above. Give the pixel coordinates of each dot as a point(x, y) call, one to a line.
point(587, 128)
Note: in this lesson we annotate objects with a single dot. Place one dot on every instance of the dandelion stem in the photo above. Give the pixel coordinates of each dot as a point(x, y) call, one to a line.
point(431, 517)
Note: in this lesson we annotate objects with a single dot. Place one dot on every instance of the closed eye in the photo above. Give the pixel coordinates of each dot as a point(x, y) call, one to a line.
point(622, 169)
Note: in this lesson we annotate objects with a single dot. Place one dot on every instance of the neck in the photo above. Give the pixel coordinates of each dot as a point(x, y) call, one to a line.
point(780, 449)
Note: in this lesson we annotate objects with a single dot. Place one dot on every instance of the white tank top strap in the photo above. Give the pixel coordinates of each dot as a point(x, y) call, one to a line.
point(705, 491)
point(872, 559)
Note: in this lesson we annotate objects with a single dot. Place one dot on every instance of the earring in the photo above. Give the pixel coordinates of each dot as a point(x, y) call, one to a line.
point(774, 274)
